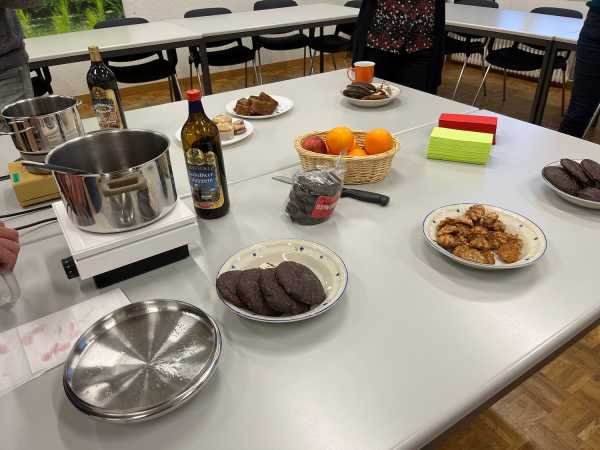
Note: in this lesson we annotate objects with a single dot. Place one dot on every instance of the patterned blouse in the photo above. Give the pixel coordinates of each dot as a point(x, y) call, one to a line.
point(402, 25)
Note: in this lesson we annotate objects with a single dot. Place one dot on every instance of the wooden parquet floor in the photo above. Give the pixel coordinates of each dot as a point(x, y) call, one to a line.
point(558, 407)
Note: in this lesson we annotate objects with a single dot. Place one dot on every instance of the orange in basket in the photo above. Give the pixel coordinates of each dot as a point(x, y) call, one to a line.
point(340, 139)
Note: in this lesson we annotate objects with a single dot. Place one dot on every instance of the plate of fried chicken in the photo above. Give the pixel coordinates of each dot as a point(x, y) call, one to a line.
point(484, 236)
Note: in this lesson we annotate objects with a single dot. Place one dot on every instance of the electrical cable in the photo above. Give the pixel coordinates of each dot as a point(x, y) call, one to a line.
point(39, 222)
point(25, 211)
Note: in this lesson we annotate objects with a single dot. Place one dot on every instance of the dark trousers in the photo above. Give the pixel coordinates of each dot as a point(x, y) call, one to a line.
point(586, 87)
point(418, 70)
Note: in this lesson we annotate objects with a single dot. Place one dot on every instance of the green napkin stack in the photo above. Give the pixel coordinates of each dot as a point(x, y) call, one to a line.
point(458, 145)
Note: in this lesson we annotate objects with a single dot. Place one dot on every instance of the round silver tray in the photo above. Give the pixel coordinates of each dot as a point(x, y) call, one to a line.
point(142, 360)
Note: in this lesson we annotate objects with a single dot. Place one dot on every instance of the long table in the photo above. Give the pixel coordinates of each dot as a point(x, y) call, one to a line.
point(417, 344)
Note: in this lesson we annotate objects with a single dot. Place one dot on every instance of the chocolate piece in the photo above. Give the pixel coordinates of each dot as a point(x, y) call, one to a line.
point(300, 283)
point(589, 193)
point(227, 284)
point(560, 179)
point(276, 296)
point(592, 169)
point(242, 107)
point(576, 171)
point(249, 292)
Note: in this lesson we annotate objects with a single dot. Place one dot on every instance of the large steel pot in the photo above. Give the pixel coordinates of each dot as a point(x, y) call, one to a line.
point(131, 183)
point(37, 125)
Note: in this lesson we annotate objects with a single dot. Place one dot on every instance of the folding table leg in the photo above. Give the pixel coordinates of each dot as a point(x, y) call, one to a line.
point(246, 72)
point(206, 82)
point(482, 84)
point(504, 86)
point(592, 123)
point(541, 93)
point(256, 76)
point(321, 55)
point(333, 59)
point(176, 88)
point(460, 75)
point(304, 63)
point(260, 66)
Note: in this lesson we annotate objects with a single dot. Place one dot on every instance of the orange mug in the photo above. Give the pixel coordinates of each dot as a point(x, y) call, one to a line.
point(362, 72)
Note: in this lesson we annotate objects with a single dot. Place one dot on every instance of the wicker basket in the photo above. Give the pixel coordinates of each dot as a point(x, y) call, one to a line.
point(359, 170)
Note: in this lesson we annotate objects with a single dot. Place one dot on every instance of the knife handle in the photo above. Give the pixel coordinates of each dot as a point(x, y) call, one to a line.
point(366, 196)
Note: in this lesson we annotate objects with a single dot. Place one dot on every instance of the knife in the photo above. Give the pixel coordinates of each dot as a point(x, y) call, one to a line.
point(356, 194)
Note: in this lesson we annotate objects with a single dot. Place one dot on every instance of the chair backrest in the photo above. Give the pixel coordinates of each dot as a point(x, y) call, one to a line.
point(273, 4)
point(348, 28)
point(205, 12)
point(121, 22)
point(562, 12)
point(481, 3)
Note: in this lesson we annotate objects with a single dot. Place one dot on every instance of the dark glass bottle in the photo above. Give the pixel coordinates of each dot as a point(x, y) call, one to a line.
point(104, 92)
point(204, 160)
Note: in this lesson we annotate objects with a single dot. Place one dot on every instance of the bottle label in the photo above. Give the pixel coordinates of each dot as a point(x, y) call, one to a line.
point(106, 107)
point(205, 179)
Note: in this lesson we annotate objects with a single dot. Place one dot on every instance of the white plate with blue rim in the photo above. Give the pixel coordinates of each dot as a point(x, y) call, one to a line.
point(534, 239)
point(326, 265)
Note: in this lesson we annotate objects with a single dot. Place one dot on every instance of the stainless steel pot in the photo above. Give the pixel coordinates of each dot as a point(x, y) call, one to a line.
point(37, 125)
point(130, 184)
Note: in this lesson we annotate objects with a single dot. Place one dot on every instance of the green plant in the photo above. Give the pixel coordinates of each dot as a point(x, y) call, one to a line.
point(25, 19)
point(95, 16)
point(61, 17)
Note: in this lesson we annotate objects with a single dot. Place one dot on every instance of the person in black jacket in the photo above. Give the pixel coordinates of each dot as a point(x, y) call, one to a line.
point(404, 38)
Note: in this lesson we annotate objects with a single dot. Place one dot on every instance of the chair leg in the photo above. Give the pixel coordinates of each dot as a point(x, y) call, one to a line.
point(481, 85)
point(260, 66)
point(564, 87)
point(312, 61)
point(256, 77)
point(592, 122)
point(504, 87)
point(246, 72)
point(199, 76)
point(191, 78)
point(304, 63)
point(333, 59)
point(170, 83)
point(176, 88)
point(460, 75)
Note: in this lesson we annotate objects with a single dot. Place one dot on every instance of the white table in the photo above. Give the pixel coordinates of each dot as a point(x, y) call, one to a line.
point(417, 344)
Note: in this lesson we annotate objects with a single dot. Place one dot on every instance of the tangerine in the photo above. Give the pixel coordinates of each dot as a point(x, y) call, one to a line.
point(339, 139)
point(357, 152)
point(378, 140)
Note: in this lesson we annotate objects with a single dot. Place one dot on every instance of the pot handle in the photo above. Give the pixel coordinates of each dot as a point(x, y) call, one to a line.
point(124, 185)
point(14, 290)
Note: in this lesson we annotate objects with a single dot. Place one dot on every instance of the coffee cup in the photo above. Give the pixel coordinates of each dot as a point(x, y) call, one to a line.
point(362, 72)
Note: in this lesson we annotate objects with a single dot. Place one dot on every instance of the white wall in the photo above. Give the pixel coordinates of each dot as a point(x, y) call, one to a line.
point(70, 79)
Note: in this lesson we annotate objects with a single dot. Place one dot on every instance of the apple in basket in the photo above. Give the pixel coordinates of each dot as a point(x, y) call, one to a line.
point(314, 143)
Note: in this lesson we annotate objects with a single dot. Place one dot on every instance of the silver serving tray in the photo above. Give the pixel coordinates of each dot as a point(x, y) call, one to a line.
point(142, 360)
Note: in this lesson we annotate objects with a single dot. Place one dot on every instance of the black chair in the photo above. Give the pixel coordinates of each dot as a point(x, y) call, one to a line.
point(467, 44)
point(278, 43)
point(41, 81)
point(333, 43)
point(520, 58)
point(238, 54)
point(154, 70)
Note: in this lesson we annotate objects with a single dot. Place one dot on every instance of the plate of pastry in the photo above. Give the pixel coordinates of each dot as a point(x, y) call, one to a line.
point(370, 95)
point(262, 106)
point(230, 130)
point(575, 180)
point(282, 281)
point(484, 236)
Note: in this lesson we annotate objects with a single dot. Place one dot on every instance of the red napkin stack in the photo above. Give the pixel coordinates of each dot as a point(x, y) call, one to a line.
point(467, 122)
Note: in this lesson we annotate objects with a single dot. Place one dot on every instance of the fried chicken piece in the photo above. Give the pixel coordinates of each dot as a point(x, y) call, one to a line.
point(446, 221)
point(497, 226)
point(448, 229)
point(476, 212)
point(463, 230)
point(480, 243)
point(510, 251)
point(478, 230)
point(497, 238)
point(489, 219)
point(464, 220)
point(488, 255)
point(448, 241)
point(471, 254)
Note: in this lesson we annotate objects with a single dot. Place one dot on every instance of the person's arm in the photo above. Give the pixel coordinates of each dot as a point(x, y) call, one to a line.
point(9, 248)
point(19, 4)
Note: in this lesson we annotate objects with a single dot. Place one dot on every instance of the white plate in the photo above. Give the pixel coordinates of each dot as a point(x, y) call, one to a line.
point(236, 138)
point(534, 240)
point(568, 197)
point(374, 103)
point(327, 266)
point(285, 104)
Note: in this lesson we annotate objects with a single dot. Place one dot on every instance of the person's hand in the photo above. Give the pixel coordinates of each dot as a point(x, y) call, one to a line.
point(9, 248)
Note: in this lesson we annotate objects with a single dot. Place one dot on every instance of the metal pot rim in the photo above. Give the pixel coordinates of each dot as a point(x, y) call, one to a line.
point(76, 103)
point(106, 131)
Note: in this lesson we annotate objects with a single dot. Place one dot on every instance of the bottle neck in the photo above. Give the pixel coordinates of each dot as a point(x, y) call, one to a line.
point(195, 107)
point(95, 55)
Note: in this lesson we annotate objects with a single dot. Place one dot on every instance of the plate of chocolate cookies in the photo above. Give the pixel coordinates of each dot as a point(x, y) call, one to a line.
point(282, 281)
point(576, 181)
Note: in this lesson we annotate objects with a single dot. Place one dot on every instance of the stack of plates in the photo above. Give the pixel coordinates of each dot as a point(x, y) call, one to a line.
point(458, 145)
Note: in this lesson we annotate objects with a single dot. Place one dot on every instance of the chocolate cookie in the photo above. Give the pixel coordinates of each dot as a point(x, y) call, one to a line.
point(276, 297)
point(592, 169)
point(227, 284)
point(589, 193)
point(249, 292)
point(300, 283)
point(560, 179)
point(576, 171)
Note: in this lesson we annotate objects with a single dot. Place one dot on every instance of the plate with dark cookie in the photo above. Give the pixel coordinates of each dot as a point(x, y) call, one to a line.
point(282, 281)
point(484, 236)
point(575, 180)
point(367, 95)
